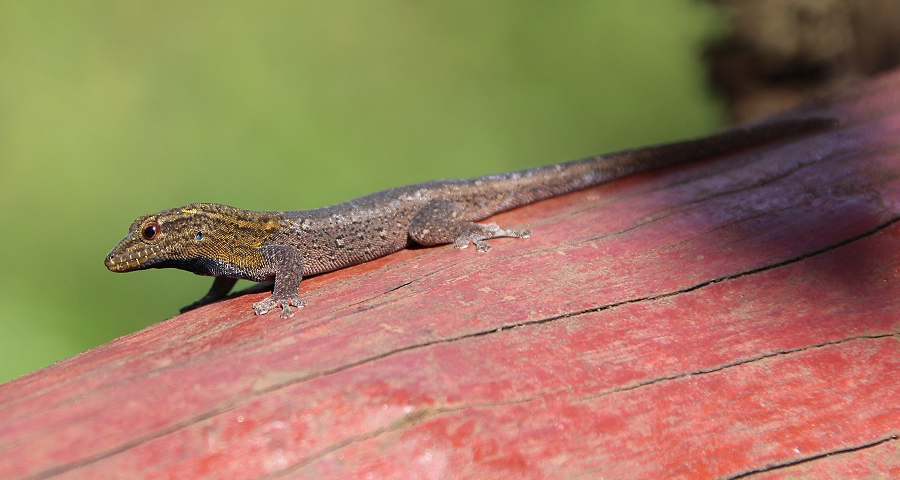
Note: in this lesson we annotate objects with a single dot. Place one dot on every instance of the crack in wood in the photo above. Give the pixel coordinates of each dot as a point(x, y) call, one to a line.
point(409, 421)
point(688, 289)
point(225, 407)
point(381, 294)
point(418, 279)
point(737, 363)
point(813, 458)
point(413, 418)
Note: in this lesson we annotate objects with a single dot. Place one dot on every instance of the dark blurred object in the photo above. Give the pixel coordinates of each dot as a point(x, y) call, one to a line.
point(780, 52)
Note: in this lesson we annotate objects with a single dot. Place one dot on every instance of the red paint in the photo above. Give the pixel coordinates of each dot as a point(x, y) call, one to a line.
point(409, 363)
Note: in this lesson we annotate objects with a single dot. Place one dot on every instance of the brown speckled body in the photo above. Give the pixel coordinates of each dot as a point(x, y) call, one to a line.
point(230, 243)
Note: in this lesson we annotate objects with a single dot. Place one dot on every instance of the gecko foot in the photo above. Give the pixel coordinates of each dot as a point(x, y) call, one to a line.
point(486, 232)
point(263, 307)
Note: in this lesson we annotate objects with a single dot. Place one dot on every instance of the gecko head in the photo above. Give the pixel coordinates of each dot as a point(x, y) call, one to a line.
point(204, 238)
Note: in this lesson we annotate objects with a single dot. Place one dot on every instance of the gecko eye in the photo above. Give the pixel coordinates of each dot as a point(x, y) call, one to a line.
point(151, 231)
point(198, 236)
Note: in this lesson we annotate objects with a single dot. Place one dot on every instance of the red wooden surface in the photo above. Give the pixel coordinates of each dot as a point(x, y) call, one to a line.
point(735, 317)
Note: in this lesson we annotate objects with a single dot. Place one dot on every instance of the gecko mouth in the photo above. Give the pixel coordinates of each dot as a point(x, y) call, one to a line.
point(127, 262)
point(153, 258)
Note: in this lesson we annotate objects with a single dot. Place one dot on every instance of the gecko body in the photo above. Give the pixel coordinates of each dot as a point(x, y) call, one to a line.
point(230, 243)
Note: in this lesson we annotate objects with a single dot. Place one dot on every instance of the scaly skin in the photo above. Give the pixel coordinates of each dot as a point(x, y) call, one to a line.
point(229, 243)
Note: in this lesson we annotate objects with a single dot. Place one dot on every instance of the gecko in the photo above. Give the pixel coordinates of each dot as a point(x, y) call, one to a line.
point(229, 243)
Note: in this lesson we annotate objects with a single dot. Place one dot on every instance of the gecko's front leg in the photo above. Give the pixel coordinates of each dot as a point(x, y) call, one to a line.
point(288, 264)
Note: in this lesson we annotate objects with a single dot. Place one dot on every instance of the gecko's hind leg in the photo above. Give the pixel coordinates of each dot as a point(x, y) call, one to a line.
point(479, 233)
point(441, 221)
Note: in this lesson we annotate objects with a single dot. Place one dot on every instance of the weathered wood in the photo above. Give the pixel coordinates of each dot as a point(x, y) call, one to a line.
point(735, 316)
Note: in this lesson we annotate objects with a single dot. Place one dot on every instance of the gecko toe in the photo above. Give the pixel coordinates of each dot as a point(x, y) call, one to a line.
point(263, 307)
point(461, 242)
point(287, 311)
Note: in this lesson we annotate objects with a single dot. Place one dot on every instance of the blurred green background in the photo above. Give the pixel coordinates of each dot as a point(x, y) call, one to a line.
point(109, 110)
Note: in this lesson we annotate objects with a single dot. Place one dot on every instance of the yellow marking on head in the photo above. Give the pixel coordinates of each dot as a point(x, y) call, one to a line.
point(230, 235)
